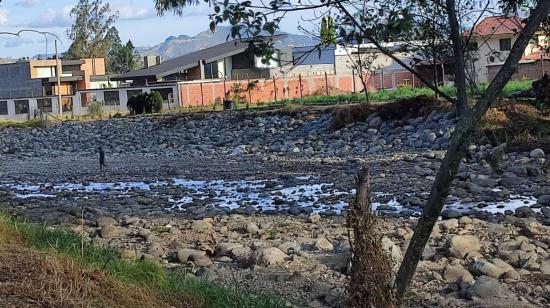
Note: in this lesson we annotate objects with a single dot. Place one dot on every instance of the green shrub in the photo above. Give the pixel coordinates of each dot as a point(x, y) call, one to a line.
point(145, 103)
point(137, 103)
point(95, 109)
point(156, 101)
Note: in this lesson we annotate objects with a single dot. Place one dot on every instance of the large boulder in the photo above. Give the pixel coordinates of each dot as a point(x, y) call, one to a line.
point(111, 232)
point(456, 273)
point(390, 247)
point(537, 153)
point(106, 221)
point(226, 248)
point(185, 254)
point(485, 287)
point(269, 256)
point(461, 246)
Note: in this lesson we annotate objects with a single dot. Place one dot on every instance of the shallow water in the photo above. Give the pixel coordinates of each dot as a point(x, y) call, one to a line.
point(262, 195)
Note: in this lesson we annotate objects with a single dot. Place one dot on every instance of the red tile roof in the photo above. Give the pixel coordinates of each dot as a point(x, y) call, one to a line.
point(498, 25)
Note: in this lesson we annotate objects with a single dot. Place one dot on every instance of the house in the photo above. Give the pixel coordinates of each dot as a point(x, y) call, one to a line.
point(490, 42)
point(32, 86)
point(37, 78)
point(231, 60)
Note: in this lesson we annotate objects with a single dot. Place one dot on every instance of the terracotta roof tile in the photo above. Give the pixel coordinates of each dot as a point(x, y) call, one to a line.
point(498, 25)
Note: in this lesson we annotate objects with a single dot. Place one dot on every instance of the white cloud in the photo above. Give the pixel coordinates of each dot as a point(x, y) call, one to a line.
point(3, 18)
point(129, 12)
point(28, 3)
point(52, 18)
point(17, 42)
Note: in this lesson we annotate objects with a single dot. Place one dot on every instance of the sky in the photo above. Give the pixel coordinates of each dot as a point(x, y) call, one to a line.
point(137, 21)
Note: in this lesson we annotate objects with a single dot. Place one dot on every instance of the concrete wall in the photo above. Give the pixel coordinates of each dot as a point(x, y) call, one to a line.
point(80, 106)
point(15, 81)
point(531, 71)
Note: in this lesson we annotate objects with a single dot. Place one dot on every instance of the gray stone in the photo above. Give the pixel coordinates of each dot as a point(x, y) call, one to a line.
point(450, 213)
point(252, 228)
point(456, 272)
point(105, 221)
point(544, 200)
point(111, 232)
point(226, 248)
point(460, 246)
point(200, 225)
point(485, 287)
point(269, 256)
point(323, 244)
point(394, 250)
point(537, 153)
point(185, 254)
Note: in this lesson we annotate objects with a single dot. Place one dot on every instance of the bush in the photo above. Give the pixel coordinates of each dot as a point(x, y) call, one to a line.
point(145, 103)
point(156, 101)
point(95, 109)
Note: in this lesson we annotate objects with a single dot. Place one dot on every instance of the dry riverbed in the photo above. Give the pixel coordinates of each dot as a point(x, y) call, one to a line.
point(261, 205)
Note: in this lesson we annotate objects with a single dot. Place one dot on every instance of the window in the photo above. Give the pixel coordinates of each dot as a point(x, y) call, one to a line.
point(4, 107)
point(132, 93)
point(45, 72)
point(505, 44)
point(21, 106)
point(472, 46)
point(111, 98)
point(211, 70)
point(67, 103)
point(44, 104)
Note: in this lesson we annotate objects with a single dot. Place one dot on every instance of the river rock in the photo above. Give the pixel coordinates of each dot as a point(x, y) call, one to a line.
point(460, 246)
point(269, 256)
point(537, 153)
point(485, 287)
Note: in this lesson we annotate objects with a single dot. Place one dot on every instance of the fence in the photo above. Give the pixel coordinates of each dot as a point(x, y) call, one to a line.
point(254, 91)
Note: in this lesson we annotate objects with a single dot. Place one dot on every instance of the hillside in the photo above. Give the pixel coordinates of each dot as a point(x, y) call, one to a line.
point(175, 46)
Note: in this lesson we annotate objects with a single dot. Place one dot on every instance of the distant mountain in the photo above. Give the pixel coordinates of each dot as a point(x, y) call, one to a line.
point(175, 46)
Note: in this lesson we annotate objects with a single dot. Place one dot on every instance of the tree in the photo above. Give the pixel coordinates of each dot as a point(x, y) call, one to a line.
point(380, 21)
point(123, 59)
point(328, 32)
point(92, 32)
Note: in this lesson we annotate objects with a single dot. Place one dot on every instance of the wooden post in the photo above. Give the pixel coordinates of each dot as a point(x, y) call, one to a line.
point(300, 79)
point(275, 88)
point(202, 96)
point(353, 80)
point(542, 65)
point(249, 93)
point(382, 79)
point(326, 83)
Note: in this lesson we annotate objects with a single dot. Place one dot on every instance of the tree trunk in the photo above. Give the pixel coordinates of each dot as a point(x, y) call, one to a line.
point(458, 53)
point(464, 131)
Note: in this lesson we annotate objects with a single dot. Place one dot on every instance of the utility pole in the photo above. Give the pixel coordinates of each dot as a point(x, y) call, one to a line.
point(58, 73)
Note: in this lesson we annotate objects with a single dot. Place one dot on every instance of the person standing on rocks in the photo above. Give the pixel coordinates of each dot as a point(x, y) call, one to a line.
point(102, 164)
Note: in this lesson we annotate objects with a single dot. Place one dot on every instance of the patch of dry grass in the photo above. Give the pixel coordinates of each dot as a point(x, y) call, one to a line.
point(411, 107)
point(345, 115)
point(521, 125)
point(29, 279)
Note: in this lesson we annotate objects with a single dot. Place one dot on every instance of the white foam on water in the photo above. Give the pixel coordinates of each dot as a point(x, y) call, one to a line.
point(33, 195)
point(319, 197)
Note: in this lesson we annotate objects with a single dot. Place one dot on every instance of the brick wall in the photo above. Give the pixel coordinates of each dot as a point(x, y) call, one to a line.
point(207, 93)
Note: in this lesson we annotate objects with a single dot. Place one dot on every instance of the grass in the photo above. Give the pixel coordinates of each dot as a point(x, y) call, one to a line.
point(20, 124)
point(400, 93)
point(143, 273)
